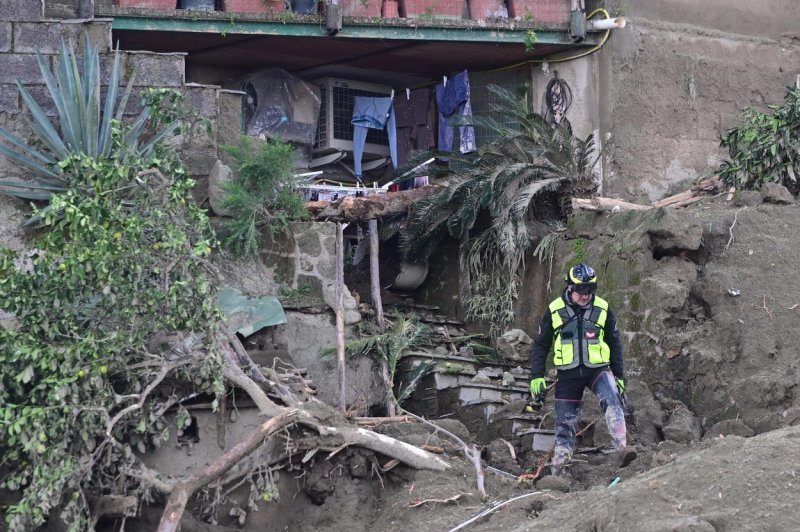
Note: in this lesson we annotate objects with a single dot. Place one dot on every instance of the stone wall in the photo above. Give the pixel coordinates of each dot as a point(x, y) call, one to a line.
point(30, 25)
point(306, 261)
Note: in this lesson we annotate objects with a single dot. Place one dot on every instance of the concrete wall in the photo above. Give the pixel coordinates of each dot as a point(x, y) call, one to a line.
point(670, 85)
point(764, 18)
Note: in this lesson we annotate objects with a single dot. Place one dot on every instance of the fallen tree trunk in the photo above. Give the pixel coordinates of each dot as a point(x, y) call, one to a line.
point(706, 187)
point(351, 208)
point(327, 437)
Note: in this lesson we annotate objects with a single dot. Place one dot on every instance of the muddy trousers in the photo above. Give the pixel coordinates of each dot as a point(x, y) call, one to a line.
point(569, 396)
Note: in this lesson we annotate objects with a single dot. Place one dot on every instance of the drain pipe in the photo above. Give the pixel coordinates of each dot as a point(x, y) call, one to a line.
point(606, 24)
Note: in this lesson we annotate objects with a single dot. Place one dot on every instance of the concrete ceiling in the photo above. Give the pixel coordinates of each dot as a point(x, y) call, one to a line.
point(397, 53)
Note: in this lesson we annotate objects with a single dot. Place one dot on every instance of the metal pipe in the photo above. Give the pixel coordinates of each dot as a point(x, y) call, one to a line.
point(606, 24)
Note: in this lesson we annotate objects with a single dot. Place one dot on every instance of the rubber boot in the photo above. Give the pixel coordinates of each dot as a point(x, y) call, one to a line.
point(627, 455)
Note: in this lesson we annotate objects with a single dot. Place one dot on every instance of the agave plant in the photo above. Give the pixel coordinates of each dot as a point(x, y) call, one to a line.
point(504, 181)
point(86, 125)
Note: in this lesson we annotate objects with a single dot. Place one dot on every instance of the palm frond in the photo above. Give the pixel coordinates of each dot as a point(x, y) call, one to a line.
point(414, 378)
point(504, 180)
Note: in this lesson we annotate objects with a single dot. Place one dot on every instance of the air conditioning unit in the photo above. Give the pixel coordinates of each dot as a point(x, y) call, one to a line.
point(335, 126)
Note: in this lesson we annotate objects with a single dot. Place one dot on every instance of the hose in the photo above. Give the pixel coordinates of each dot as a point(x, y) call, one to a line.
point(562, 59)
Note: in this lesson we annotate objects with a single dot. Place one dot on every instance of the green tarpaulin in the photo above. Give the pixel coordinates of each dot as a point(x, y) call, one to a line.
point(247, 316)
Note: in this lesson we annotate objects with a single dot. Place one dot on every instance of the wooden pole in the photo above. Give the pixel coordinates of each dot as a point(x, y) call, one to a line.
point(377, 302)
point(340, 314)
point(374, 272)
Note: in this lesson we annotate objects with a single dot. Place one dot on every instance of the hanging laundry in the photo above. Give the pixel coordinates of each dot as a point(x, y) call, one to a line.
point(328, 196)
point(414, 131)
point(375, 113)
point(453, 99)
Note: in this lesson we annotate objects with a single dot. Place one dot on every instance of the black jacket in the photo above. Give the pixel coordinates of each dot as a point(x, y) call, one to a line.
point(544, 341)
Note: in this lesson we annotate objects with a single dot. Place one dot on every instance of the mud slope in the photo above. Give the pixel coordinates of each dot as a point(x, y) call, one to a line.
point(734, 484)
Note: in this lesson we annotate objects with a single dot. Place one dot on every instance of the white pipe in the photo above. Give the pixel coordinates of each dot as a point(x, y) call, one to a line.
point(606, 24)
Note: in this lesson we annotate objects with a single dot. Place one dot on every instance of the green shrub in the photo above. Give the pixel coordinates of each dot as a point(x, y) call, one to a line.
point(765, 147)
point(263, 196)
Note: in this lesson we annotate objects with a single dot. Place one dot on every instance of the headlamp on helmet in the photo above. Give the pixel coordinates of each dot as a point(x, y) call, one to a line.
point(582, 279)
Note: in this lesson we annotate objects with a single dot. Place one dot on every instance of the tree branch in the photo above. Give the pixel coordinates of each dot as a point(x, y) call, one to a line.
point(472, 453)
point(160, 376)
point(183, 490)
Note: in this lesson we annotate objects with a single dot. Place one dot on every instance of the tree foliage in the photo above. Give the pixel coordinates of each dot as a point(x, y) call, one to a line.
point(263, 196)
point(765, 147)
point(402, 335)
point(506, 182)
point(116, 323)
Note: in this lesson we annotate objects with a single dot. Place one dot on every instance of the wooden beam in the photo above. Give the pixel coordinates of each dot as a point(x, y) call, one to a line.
point(340, 316)
point(352, 208)
point(607, 204)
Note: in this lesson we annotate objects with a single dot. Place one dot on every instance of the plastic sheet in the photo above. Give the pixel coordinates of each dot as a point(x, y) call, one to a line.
point(281, 105)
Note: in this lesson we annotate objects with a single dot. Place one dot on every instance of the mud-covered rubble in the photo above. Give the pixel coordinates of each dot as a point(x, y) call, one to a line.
point(730, 483)
point(671, 275)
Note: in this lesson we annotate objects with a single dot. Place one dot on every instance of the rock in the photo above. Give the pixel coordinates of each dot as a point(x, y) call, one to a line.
point(671, 230)
point(549, 482)
point(518, 371)
point(683, 426)
point(648, 416)
point(776, 193)
point(671, 284)
point(729, 427)
point(351, 313)
point(515, 345)
point(454, 426)
point(482, 377)
point(220, 173)
point(508, 379)
point(466, 352)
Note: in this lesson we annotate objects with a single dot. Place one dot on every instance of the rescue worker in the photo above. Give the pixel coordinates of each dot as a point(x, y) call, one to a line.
point(587, 353)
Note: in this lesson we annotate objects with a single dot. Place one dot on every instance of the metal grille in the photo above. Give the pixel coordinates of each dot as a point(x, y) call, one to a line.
point(335, 127)
point(482, 99)
point(322, 123)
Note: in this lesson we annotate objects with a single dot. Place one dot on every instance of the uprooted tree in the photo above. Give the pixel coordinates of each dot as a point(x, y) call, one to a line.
point(118, 324)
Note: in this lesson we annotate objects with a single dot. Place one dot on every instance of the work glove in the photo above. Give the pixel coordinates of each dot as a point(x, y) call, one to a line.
point(538, 387)
point(620, 385)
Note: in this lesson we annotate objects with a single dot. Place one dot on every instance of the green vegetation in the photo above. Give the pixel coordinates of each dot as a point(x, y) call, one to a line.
point(87, 127)
point(293, 296)
point(579, 246)
point(402, 335)
point(114, 302)
point(764, 147)
point(509, 195)
point(263, 197)
point(530, 40)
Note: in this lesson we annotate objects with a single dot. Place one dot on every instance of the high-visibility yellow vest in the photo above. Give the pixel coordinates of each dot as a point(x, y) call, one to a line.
point(578, 337)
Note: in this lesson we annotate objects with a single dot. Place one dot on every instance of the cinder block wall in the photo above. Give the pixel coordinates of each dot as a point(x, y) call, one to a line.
point(30, 25)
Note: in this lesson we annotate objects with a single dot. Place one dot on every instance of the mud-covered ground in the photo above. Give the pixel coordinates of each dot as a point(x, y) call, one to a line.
point(712, 383)
point(716, 363)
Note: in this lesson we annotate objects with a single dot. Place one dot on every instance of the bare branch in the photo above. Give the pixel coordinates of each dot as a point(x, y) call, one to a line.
point(471, 452)
point(183, 490)
point(160, 376)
